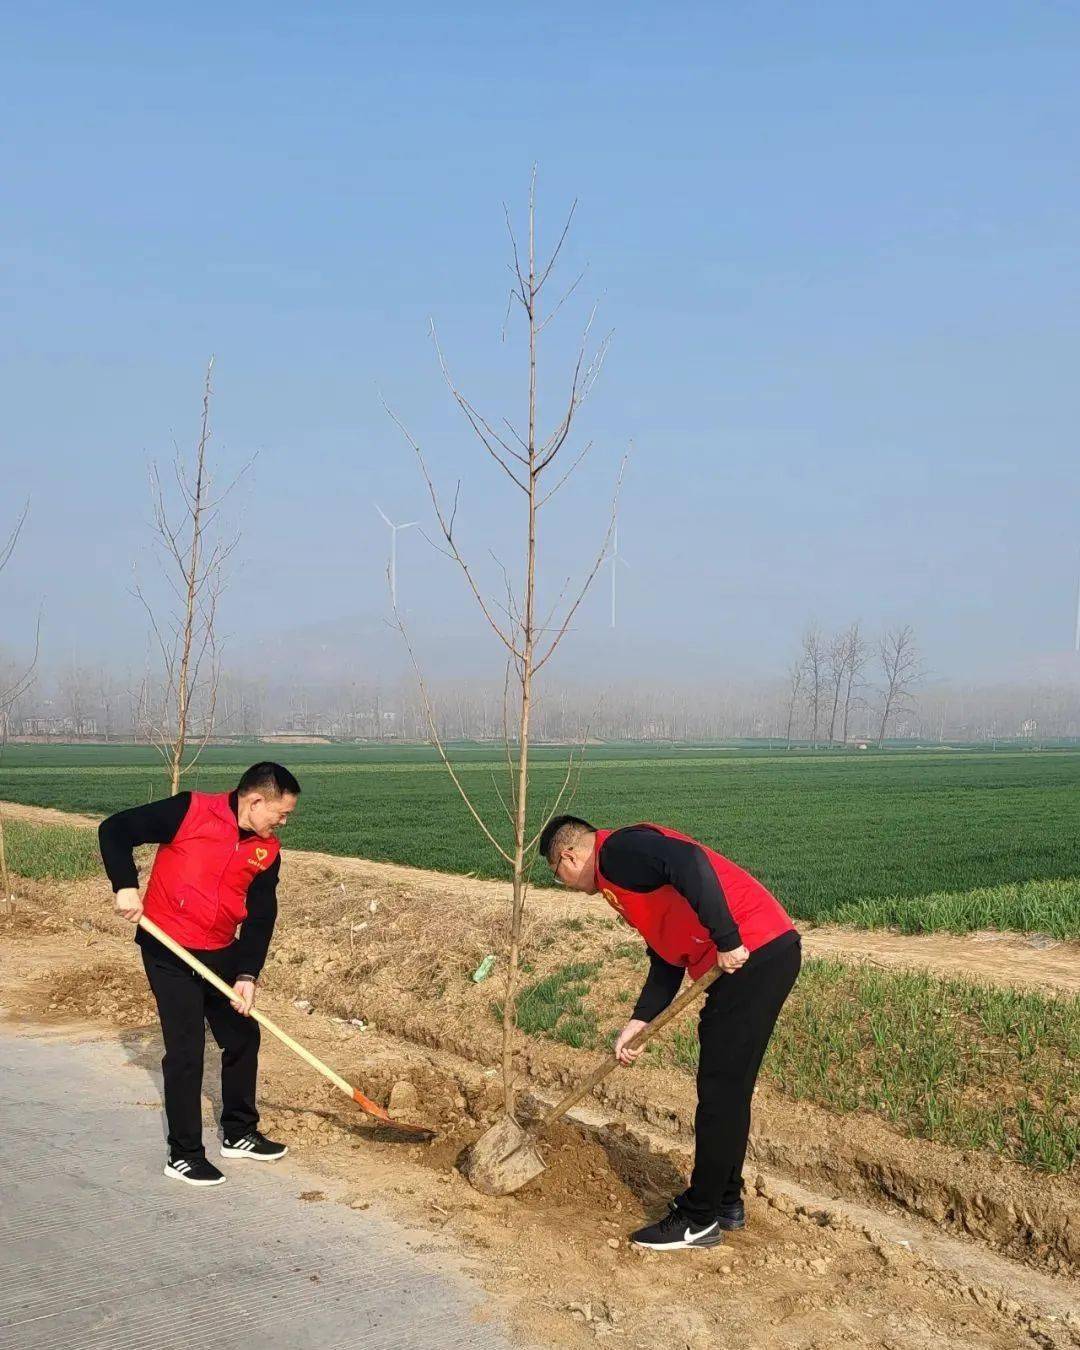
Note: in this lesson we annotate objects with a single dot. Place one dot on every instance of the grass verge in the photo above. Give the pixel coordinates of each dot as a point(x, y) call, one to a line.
point(553, 1007)
point(56, 852)
point(1027, 907)
point(966, 1065)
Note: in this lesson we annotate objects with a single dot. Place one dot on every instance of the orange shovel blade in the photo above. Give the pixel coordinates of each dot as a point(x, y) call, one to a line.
point(384, 1118)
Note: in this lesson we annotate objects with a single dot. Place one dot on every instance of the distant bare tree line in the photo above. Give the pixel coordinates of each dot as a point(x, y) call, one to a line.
point(838, 680)
point(372, 710)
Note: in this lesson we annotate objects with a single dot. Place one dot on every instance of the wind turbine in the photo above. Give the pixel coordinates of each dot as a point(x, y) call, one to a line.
point(393, 549)
point(616, 561)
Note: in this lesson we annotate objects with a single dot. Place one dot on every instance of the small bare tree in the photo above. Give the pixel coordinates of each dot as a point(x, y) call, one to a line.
point(73, 687)
point(813, 647)
point(858, 654)
point(527, 459)
point(107, 692)
point(15, 683)
point(796, 672)
point(836, 657)
point(193, 555)
point(901, 668)
point(12, 687)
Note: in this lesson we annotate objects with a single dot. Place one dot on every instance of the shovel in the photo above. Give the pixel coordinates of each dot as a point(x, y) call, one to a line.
point(365, 1104)
point(505, 1157)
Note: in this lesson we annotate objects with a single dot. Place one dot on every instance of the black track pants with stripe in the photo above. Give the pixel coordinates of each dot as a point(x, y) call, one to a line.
point(185, 1001)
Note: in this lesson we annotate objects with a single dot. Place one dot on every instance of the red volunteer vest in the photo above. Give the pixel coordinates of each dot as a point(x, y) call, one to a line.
point(198, 886)
point(667, 922)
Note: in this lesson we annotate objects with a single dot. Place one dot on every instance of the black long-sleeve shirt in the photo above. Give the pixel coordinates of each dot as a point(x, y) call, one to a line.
point(642, 859)
point(157, 823)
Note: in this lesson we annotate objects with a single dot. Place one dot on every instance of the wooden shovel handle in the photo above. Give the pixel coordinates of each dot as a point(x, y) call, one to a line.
point(211, 977)
point(609, 1062)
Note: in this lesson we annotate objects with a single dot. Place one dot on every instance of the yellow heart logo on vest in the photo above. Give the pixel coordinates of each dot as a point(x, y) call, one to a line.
point(613, 900)
point(261, 854)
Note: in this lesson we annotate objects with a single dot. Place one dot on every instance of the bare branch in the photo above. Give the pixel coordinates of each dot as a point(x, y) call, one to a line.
point(547, 815)
point(447, 527)
point(8, 547)
point(558, 249)
point(548, 495)
point(562, 301)
point(523, 285)
point(589, 579)
point(516, 435)
point(502, 800)
point(484, 431)
point(511, 609)
point(506, 734)
point(436, 741)
point(22, 682)
point(581, 386)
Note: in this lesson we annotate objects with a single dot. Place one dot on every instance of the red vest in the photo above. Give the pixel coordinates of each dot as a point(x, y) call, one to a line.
point(667, 922)
point(197, 890)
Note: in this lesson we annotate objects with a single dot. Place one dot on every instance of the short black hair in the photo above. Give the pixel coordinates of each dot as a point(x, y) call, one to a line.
point(274, 780)
point(561, 832)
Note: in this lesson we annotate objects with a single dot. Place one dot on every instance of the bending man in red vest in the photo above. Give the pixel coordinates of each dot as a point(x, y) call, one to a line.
point(216, 872)
point(695, 909)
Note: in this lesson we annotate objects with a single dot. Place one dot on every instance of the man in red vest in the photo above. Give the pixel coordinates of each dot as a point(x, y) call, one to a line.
point(695, 910)
point(213, 888)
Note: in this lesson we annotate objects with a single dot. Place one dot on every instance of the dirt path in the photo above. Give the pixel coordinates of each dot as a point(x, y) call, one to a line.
point(809, 1273)
point(997, 958)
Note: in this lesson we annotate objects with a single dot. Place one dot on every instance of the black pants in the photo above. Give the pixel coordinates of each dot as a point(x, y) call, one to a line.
point(736, 1023)
point(185, 1001)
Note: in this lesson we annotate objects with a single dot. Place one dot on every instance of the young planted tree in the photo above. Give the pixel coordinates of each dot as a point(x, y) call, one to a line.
point(901, 669)
point(178, 714)
point(529, 459)
point(13, 685)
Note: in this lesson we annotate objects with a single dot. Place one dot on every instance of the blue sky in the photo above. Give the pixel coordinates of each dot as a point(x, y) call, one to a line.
point(837, 246)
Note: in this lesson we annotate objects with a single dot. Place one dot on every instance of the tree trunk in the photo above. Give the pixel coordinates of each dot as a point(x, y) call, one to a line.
point(4, 879)
point(518, 903)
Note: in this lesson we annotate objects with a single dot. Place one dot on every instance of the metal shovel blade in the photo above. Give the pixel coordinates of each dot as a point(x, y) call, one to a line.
point(503, 1159)
point(418, 1132)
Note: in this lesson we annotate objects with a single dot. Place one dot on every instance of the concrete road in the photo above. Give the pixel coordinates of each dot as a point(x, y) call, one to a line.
point(98, 1249)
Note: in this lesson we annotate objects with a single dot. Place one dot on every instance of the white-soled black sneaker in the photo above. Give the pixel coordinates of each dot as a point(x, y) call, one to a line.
point(675, 1232)
point(253, 1145)
point(194, 1171)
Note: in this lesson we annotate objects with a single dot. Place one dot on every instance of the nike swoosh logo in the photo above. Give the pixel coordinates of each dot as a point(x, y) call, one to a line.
point(688, 1236)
